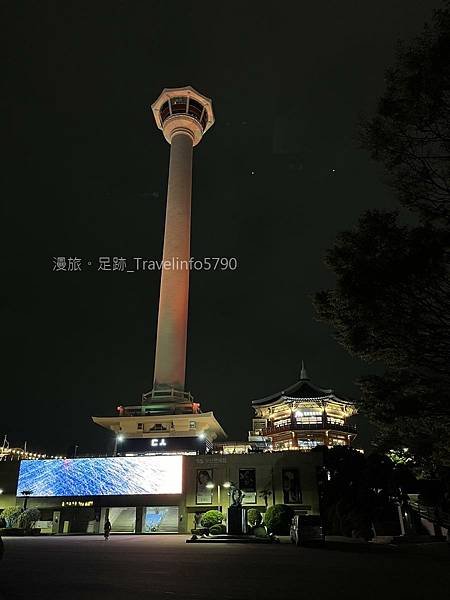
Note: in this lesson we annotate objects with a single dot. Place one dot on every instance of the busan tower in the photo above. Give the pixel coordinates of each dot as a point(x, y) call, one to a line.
point(168, 417)
point(184, 116)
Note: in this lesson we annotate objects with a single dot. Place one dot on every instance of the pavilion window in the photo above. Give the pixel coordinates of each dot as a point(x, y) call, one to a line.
point(335, 420)
point(308, 417)
point(282, 423)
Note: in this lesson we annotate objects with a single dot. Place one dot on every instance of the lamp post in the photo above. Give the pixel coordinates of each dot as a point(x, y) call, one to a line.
point(118, 439)
point(210, 485)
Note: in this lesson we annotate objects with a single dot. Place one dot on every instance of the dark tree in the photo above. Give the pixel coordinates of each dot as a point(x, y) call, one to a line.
point(391, 302)
point(359, 494)
point(410, 134)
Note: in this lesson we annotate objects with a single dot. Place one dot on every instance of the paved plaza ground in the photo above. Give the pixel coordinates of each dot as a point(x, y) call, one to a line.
point(165, 567)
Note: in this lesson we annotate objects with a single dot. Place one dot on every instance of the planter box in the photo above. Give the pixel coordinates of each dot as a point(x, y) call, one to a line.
point(17, 531)
point(12, 532)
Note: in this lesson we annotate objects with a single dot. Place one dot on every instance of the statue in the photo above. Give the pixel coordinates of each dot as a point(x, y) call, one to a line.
point(235, 525)
point(198, 520)
point(237, 496)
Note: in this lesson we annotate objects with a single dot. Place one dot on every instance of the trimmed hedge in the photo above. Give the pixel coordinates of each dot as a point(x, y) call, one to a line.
point(254, 517)
point(211, 517)
point(260, 531)
point(217, 529)
point(278, 519)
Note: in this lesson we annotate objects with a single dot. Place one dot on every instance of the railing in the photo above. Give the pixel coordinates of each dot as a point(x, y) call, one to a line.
point(294, 426)
point(167, 393)
point(432, 513)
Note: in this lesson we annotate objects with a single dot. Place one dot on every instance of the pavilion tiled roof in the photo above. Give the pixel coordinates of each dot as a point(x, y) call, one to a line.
point(301, 390)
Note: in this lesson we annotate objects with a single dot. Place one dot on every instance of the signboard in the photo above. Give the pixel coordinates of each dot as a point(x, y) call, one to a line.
point(204, 494)
point(291, 487)
point(247, 484)
point(160, 445)
point(113, 476)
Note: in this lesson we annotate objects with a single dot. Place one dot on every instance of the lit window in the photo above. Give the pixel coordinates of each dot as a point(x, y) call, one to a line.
point(195, 109)
point(204, 120)
point(164, 111)
point(179, 105)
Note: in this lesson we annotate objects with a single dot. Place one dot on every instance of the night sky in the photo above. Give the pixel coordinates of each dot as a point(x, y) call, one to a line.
point(275, 179)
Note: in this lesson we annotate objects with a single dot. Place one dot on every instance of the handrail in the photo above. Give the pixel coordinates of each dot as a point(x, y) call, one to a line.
point(432, 513)
point(308, 427)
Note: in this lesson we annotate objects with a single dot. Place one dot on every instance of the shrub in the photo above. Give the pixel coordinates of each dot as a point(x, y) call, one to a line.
point(11, 515)
point(28, 518)
point(254, 517)
point(211, 517)
point(217, 529)
point(260, 531)
point(278, 519)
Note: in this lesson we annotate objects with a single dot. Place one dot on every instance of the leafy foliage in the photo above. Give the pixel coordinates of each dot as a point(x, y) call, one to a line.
point(360, 492)
point(391, 301)
point(254, 517)
point(265, 495)
point(410, 134)
point(278, 518)
point(217, 529)
point(259, 531)
point(211, 518)
point(28, 518)
point(11, 515)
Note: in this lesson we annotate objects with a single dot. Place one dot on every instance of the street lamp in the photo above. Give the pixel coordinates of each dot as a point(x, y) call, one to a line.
point(210, 485)
point(118, 440)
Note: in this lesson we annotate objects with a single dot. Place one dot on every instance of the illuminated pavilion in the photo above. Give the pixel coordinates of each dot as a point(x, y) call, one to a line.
point(303, 416)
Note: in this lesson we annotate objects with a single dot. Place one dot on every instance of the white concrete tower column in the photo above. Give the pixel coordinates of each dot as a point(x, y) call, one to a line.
point(183, 115)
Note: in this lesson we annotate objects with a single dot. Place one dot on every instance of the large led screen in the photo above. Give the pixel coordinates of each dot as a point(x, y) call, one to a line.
point(115, 476)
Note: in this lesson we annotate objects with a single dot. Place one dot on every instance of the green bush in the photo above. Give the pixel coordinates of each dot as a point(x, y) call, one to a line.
point(254, 517)
point(28, 518)
point(217, 529)
point(211, 517)
point(11, 515)
point(260, 531)
point(278, 519)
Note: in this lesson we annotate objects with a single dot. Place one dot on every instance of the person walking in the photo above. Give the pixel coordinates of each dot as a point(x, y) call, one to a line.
point(107, 528)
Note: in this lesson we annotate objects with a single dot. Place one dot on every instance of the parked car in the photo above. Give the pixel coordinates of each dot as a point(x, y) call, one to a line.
point(2, 548)
point(307, 529)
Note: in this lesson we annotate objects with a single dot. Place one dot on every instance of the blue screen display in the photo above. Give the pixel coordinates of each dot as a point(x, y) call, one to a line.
point(114, 476)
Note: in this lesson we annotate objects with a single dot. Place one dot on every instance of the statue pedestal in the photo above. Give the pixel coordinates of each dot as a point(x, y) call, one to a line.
point(236, 522)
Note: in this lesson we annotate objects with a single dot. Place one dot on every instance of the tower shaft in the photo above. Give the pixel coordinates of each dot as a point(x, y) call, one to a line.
point(170, 359)
point(183, 115)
